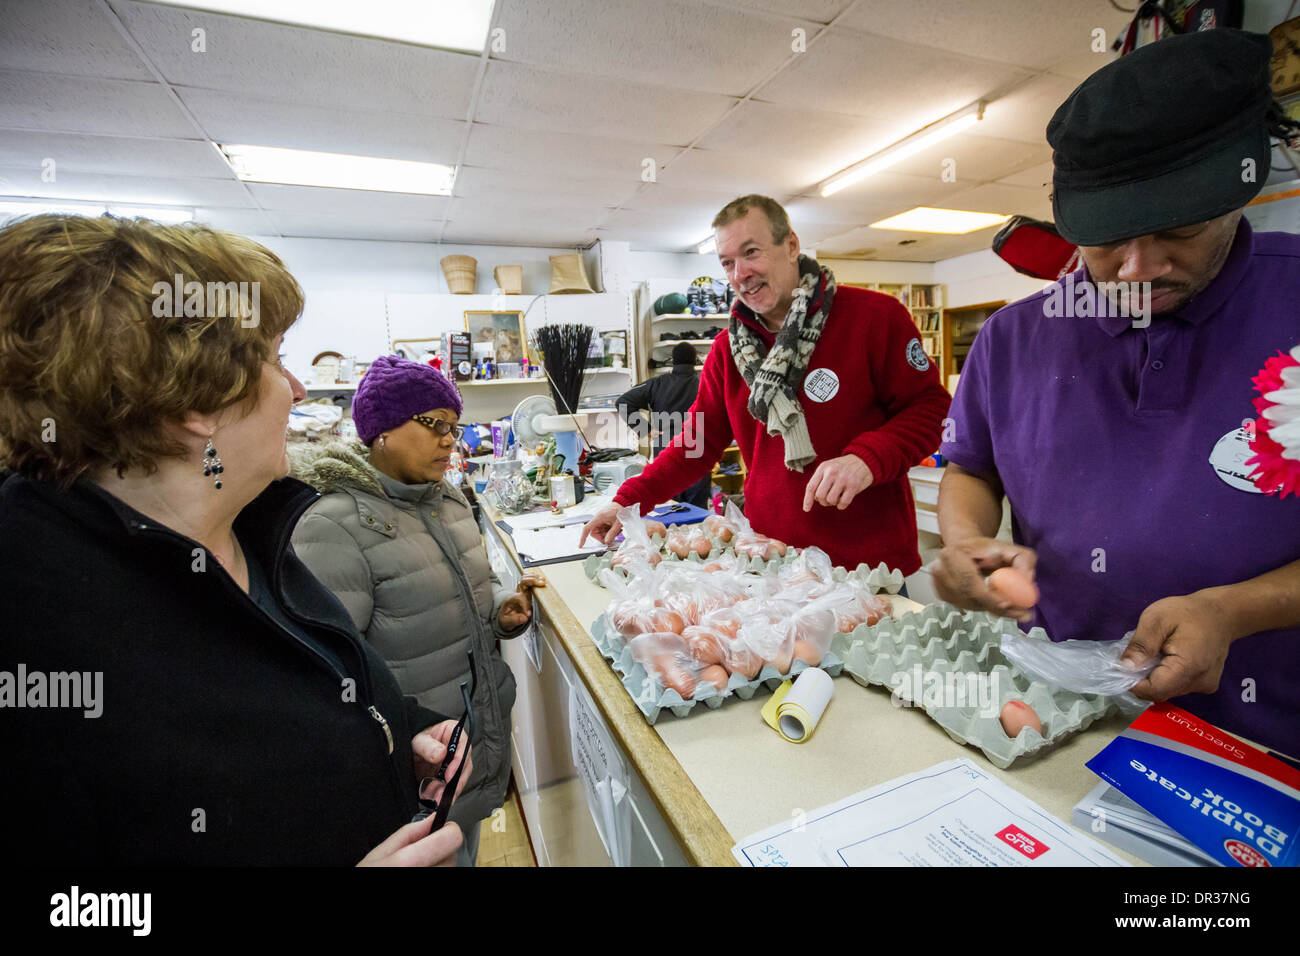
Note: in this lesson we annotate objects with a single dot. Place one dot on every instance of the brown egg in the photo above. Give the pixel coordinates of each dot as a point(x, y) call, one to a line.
point(655, 527)
point(718, 526)
point(715, 675)
point(677, 544)
point(1016, 716)
point(674, 676)
point(702, 546)
point(663, 620)
point(1013, 586)
point(712, 566)
point(704, 644)
point(808, 653)
point(783, 658)
point(776, 546)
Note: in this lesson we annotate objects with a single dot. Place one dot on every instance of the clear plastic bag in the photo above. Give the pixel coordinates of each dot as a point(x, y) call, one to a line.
point(667, 660)
point(1083, 667)
point(812, 565)
point(634, 607)
point(636, 545)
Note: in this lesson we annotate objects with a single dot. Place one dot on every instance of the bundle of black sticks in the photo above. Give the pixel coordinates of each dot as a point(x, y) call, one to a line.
point(564, 356)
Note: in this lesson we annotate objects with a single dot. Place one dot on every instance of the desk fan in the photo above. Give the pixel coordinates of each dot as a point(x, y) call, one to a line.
point(534, 420)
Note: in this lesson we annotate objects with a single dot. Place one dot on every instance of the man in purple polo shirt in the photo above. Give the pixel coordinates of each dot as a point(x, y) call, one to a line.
point(1112, 418)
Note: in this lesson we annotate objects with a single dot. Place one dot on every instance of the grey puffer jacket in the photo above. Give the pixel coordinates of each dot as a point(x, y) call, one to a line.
point(408, 563)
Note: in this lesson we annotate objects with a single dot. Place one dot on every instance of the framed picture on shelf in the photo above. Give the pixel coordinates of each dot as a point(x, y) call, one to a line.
point(503, 330)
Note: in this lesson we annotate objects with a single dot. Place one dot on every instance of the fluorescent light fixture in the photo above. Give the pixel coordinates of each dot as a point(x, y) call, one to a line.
point(953, 222)
point(921, 140)
point(462, 25)
point(303, 167)
point(171, 215)
point(707, 246)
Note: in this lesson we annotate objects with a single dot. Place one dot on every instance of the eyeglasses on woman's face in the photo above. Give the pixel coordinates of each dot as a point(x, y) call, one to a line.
point(440, 426)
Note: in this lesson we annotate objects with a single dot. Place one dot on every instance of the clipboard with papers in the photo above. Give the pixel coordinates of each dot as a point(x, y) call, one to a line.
point(546, 538)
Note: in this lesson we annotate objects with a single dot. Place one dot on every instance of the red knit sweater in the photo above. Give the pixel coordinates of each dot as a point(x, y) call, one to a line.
point(875, 403)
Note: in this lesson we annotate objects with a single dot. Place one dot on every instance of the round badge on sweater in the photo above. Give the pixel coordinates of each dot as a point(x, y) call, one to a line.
point(916, 356)
point(821, 384)
point(1228, 459)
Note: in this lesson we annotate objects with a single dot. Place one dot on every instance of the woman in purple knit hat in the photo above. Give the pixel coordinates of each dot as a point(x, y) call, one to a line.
point(400, 549)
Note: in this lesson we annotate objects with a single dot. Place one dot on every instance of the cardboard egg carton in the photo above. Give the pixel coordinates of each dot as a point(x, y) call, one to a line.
point(950, 664)
point(652, 698)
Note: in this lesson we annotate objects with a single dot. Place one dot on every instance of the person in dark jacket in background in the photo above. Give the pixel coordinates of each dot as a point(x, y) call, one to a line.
point(668, 398)
point(176, 686)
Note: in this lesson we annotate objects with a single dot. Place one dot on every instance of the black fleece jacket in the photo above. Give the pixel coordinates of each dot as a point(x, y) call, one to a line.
point(224, 737)
point(671, 393)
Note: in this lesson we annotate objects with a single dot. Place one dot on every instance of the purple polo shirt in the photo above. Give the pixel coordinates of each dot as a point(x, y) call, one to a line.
point(1102, 434)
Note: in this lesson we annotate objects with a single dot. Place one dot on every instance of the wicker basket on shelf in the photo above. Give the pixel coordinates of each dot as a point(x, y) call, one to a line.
point(510, 279)
point(461, 273)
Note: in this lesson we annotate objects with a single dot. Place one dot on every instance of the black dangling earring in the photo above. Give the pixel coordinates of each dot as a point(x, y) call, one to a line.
point(212, 464)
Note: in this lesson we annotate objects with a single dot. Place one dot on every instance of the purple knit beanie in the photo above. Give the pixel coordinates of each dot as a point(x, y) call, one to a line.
point(393, 389)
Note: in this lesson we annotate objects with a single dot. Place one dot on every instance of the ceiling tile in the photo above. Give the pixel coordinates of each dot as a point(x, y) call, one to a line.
point(171, 158)
point(149, 190)
point(821, 140)
point(870, 76)
point(257, 121)
point(670, 43)
point(541, 151)
point(66, 36)
point(356, 227)
point(975, 158)
point(1029, 33)
point(1035, 177)
point(299, 65)
point(85, 105)
point(475, 182)
point(1023, 114)
point(528, 98)
point(1008, 200)
point(739, 173)
point(319, 201)
point(818, 11)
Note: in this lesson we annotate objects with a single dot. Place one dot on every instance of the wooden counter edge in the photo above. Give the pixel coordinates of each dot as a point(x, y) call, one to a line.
point(703, 839)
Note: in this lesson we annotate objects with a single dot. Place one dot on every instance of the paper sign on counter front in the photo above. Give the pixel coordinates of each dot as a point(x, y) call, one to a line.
point(603, 776)
point(953, 814)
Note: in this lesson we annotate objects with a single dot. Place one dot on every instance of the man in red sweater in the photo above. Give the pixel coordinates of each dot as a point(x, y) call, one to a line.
point(826, 391)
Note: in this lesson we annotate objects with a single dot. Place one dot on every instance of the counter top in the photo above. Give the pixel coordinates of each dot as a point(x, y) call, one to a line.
point(718, 775)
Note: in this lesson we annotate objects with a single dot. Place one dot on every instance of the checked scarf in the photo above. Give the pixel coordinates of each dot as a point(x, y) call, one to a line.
point(774, 377)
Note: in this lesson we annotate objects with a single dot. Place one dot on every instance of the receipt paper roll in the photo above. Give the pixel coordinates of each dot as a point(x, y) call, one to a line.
point(798, 713)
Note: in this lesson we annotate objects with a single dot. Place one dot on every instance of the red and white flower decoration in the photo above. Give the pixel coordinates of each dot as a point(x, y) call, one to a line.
point(1276, 439)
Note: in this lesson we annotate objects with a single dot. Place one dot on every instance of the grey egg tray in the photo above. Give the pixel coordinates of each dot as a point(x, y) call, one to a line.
point(594, 564)
point(942, 639)
point(652, 699)
point(875, 580)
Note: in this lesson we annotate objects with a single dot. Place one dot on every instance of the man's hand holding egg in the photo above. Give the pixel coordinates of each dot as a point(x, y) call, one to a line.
point(959, 577)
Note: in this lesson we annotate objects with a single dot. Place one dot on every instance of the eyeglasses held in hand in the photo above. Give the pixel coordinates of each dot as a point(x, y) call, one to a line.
point(440, 426)
point(440, 809)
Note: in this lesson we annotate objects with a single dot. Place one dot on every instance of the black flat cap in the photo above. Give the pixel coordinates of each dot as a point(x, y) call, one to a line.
point(1159, 138)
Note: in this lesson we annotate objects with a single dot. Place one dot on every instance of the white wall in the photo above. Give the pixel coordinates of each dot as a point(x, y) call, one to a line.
point(860, 271)
point(982, 277)
point(360, 295)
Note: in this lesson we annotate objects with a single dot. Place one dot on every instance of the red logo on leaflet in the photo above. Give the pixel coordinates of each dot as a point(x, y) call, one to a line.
point(1022, 841)
point(1245, 854)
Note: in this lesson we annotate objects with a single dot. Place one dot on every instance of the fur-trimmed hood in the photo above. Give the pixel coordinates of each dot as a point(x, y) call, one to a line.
point(344, 466)
point(336, 466)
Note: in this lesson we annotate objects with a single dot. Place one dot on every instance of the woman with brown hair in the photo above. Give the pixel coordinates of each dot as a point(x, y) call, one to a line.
point(183, 690)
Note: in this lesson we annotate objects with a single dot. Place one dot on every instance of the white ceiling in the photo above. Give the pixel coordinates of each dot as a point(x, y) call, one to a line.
point(551, 133)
